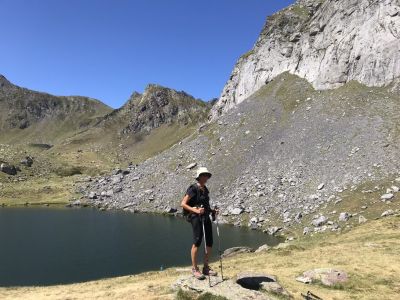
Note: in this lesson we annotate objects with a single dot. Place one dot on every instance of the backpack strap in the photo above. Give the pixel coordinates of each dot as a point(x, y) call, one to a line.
point(197, 193)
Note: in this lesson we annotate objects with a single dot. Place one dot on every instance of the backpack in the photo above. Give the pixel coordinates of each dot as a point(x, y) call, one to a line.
point(188, 214)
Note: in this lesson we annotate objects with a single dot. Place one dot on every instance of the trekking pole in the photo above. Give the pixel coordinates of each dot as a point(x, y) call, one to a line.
point(205, 245)
point(219, 248)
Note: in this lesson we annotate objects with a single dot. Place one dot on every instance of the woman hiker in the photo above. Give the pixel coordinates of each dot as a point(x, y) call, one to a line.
point(196, 207)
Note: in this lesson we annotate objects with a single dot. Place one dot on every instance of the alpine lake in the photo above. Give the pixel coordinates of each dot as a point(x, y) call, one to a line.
point(47, 246)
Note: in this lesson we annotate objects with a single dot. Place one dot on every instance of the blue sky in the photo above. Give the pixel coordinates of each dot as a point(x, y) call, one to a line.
point(106, 49)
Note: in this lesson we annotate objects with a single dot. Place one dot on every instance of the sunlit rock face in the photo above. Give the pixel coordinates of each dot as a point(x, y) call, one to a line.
point(327, 42)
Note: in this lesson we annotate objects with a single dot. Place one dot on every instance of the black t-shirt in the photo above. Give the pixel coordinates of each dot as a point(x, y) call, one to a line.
point(198, 197)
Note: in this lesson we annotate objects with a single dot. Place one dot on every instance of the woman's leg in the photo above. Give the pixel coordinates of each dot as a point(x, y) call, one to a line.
point(197, 238)
point(209, 240)
point(207, 256)
point(194, 256)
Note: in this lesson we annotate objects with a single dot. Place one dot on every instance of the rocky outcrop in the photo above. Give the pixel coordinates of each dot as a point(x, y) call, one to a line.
point(156, 106)
point(327, 42)
point(247, 285)
point(227, 289)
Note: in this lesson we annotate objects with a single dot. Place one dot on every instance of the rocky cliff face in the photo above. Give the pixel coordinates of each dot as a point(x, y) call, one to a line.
point(327, 42)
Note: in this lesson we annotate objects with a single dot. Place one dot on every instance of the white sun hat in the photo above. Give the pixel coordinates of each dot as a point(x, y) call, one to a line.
point(202, 170)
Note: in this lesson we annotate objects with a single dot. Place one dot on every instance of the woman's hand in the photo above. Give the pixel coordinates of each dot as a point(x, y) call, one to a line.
point(199, 211)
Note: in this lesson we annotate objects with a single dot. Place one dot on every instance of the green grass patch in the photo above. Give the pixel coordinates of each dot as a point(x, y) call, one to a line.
point(66, 171)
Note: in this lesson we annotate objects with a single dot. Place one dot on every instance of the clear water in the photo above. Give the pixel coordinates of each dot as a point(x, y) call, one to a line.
point(45, 246)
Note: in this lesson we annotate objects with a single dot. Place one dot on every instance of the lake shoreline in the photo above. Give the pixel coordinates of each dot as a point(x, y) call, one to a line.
point(86, 205)
point(108, 244)
point(358, 247)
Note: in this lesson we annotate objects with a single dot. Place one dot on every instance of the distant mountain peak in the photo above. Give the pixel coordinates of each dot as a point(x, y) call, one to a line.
point(158, 105)
point(4, 81)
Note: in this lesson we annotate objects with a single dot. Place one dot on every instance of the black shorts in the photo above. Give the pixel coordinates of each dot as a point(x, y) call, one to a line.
point(197, 227)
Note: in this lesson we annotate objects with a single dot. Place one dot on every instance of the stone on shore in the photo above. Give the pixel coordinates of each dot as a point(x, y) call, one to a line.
point(236, 250)
point(263, 248)
point(327, 276)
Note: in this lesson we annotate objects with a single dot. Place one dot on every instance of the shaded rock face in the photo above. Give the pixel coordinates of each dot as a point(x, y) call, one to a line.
point(157, 106)
point(327, 42)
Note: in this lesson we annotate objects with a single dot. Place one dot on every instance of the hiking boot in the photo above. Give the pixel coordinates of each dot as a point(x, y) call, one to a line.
point(197, 274)
point(208, 271)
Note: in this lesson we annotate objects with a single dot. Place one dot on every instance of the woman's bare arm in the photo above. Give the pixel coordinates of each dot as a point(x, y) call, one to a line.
point(185, 206)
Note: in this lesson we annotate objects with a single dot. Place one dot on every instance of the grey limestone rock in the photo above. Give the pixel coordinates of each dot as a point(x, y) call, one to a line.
point(328, 43)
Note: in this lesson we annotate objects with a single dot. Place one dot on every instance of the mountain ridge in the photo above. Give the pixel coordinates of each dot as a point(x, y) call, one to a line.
point(26, 108)
point(25, 113)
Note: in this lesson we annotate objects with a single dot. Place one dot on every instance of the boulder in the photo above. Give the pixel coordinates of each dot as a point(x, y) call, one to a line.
point(263, 248)
point(237, 211)
point(321, 220)
point(344, 217)
point(387, 213)
point(171, 210)
point(236, 250)
point(387, 196)
point(325, 276)
point(116, 179)
point(254, 220)
point(321, 186)
point(273, 230)
point(395, 188)
point(362, 219)
point(92, 195)
point(8, 169)
point(27, 161)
